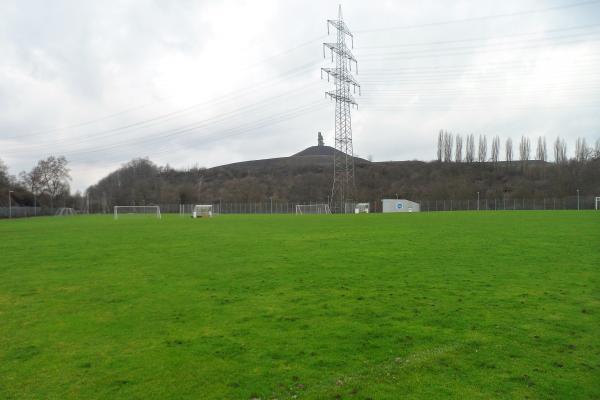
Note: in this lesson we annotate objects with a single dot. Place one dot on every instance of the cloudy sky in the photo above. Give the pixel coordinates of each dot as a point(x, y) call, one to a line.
point(212, 82)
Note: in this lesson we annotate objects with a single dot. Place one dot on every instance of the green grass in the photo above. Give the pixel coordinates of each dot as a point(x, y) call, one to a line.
point(417, 306)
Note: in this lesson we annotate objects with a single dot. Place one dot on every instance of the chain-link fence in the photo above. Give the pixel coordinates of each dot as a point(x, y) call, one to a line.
point(21, 212)
point(566, 203)
point(266, 207)
point(281, 207)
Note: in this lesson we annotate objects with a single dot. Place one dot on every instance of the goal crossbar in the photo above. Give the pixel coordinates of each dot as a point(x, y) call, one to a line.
point(202, 210)
point(61, 212)
point(118, 210)
point(302, 209)
point(361, 208)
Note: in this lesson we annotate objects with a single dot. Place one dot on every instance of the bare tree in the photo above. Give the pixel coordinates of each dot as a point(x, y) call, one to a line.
point(440, 145)
point(448, 144)
point(560, 151)
point(482, 154)
point(470, 149)
point(509, 150)
point(596, 154)
point(495, 149)
point(32, 180)
point(578, 149)
point(557, 145)
point(54, 176)
point(582, 151)
point(524, 150)
point(4, 178)
point(563, 151)
point(541, 153)
point(458, 147)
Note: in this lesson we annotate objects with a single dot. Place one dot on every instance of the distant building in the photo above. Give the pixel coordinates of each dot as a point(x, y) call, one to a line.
point(399, 205)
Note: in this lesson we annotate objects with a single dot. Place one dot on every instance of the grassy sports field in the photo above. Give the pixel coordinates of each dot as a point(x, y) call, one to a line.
point(416, 306)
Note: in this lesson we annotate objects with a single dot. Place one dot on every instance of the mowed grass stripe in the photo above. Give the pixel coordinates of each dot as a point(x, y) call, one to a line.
point(424, 305)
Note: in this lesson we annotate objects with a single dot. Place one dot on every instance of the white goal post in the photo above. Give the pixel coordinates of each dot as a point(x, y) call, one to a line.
point(202, 210)
point(140, 210)
point(597, 203)
point(313, 209)
point(61, 212)
point(361, 208)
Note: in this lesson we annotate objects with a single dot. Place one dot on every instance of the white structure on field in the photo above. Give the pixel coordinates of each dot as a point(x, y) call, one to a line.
point(313, 209)
point(597, 201)
point(361, 208)
point(62, 212)
point(399, 205)
point(202, 210)
point(138, 210)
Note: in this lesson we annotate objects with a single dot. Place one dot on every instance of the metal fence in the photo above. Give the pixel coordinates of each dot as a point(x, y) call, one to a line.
point(279, 207)
point(267, 207)
point(568, 203)
point(22, 212)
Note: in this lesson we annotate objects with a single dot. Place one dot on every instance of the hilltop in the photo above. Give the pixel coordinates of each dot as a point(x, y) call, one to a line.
point(307, 175)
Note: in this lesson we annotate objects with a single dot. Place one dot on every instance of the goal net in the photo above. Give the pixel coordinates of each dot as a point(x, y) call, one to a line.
point(202, 210)
point(361, 208)
point(597, 203)
point(137, 210)
point(62, 212)
point(313, 209)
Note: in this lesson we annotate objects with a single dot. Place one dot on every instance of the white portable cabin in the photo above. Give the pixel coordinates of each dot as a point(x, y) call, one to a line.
point(399, 205)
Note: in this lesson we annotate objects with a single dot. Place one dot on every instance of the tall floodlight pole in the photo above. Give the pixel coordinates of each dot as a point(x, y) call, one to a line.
point(342, 189)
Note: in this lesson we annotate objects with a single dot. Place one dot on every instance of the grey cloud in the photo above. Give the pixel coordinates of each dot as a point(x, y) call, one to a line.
point(243, 62)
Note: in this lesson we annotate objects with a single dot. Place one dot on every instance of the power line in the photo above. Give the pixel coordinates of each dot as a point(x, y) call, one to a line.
point(219, 134)
point(586, 36)
point(304, 67)
point(482, 18)
point(301, 45)
point(529, 107)
point(474, 50)
point(457, 67)
point(103, 134)
point(478, 39)
point(214, 119)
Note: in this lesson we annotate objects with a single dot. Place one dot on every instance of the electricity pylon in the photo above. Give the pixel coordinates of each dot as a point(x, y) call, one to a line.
point(342, 189)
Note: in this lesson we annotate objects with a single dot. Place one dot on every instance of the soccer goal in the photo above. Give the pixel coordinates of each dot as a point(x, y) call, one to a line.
point(202, 210)
point(361, 208)
point(137, 210)
point(597, 203)
point(62, 212)
point(313, 209)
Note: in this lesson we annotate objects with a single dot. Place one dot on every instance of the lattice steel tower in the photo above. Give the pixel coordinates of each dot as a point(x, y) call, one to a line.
point(343, 160)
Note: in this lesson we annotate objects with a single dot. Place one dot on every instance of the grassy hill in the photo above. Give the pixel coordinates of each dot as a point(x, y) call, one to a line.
point(307, 176)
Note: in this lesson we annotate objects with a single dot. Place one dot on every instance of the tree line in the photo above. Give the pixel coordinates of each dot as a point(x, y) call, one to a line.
point(464, 168)
point(456, 148)
point(47, 182)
